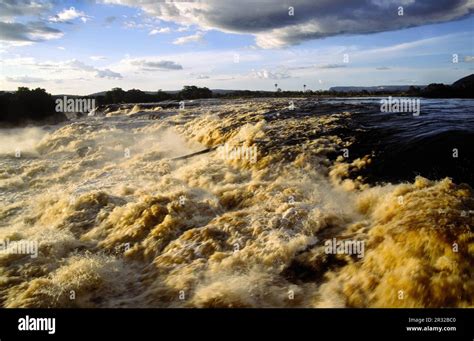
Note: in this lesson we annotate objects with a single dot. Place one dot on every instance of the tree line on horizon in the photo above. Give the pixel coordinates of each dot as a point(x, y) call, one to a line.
point(118, 95)
point(26, 105)
point(38, 105)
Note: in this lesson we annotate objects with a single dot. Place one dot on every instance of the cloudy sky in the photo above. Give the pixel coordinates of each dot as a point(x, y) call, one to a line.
point(81, 47)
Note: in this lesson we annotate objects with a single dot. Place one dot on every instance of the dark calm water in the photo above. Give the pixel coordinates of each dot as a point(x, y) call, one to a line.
point(436, 144)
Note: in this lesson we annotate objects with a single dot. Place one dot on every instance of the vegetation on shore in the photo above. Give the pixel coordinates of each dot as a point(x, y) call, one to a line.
point(25, 105)
point(36, 105)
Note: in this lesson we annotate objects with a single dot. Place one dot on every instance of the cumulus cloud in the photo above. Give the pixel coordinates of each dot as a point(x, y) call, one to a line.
point(68, 15)
point(156, 65)
point(23, 22)
point(99, 73)
point(107, 73)
point(14, 8)
point(13, 33)
point(274, 27)
point(50, 70)
point(198, 37)
point(29, 32)
point(159, 30)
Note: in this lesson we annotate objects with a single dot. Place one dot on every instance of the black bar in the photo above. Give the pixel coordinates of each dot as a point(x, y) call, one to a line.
point(311, 324)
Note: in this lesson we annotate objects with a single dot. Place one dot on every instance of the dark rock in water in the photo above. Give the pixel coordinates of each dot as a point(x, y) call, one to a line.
point(83, 151)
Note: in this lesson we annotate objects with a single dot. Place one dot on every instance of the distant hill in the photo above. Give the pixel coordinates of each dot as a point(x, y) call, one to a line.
point(462, 88)
point(102, 93)
point(465, 82)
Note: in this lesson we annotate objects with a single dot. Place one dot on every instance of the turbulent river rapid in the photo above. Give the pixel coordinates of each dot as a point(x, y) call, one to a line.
point(117, 216)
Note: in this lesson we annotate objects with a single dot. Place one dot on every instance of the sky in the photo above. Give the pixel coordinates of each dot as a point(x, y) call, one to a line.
point(83, 47)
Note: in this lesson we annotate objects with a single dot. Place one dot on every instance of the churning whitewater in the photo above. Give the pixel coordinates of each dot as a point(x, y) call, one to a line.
point(121, 219)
